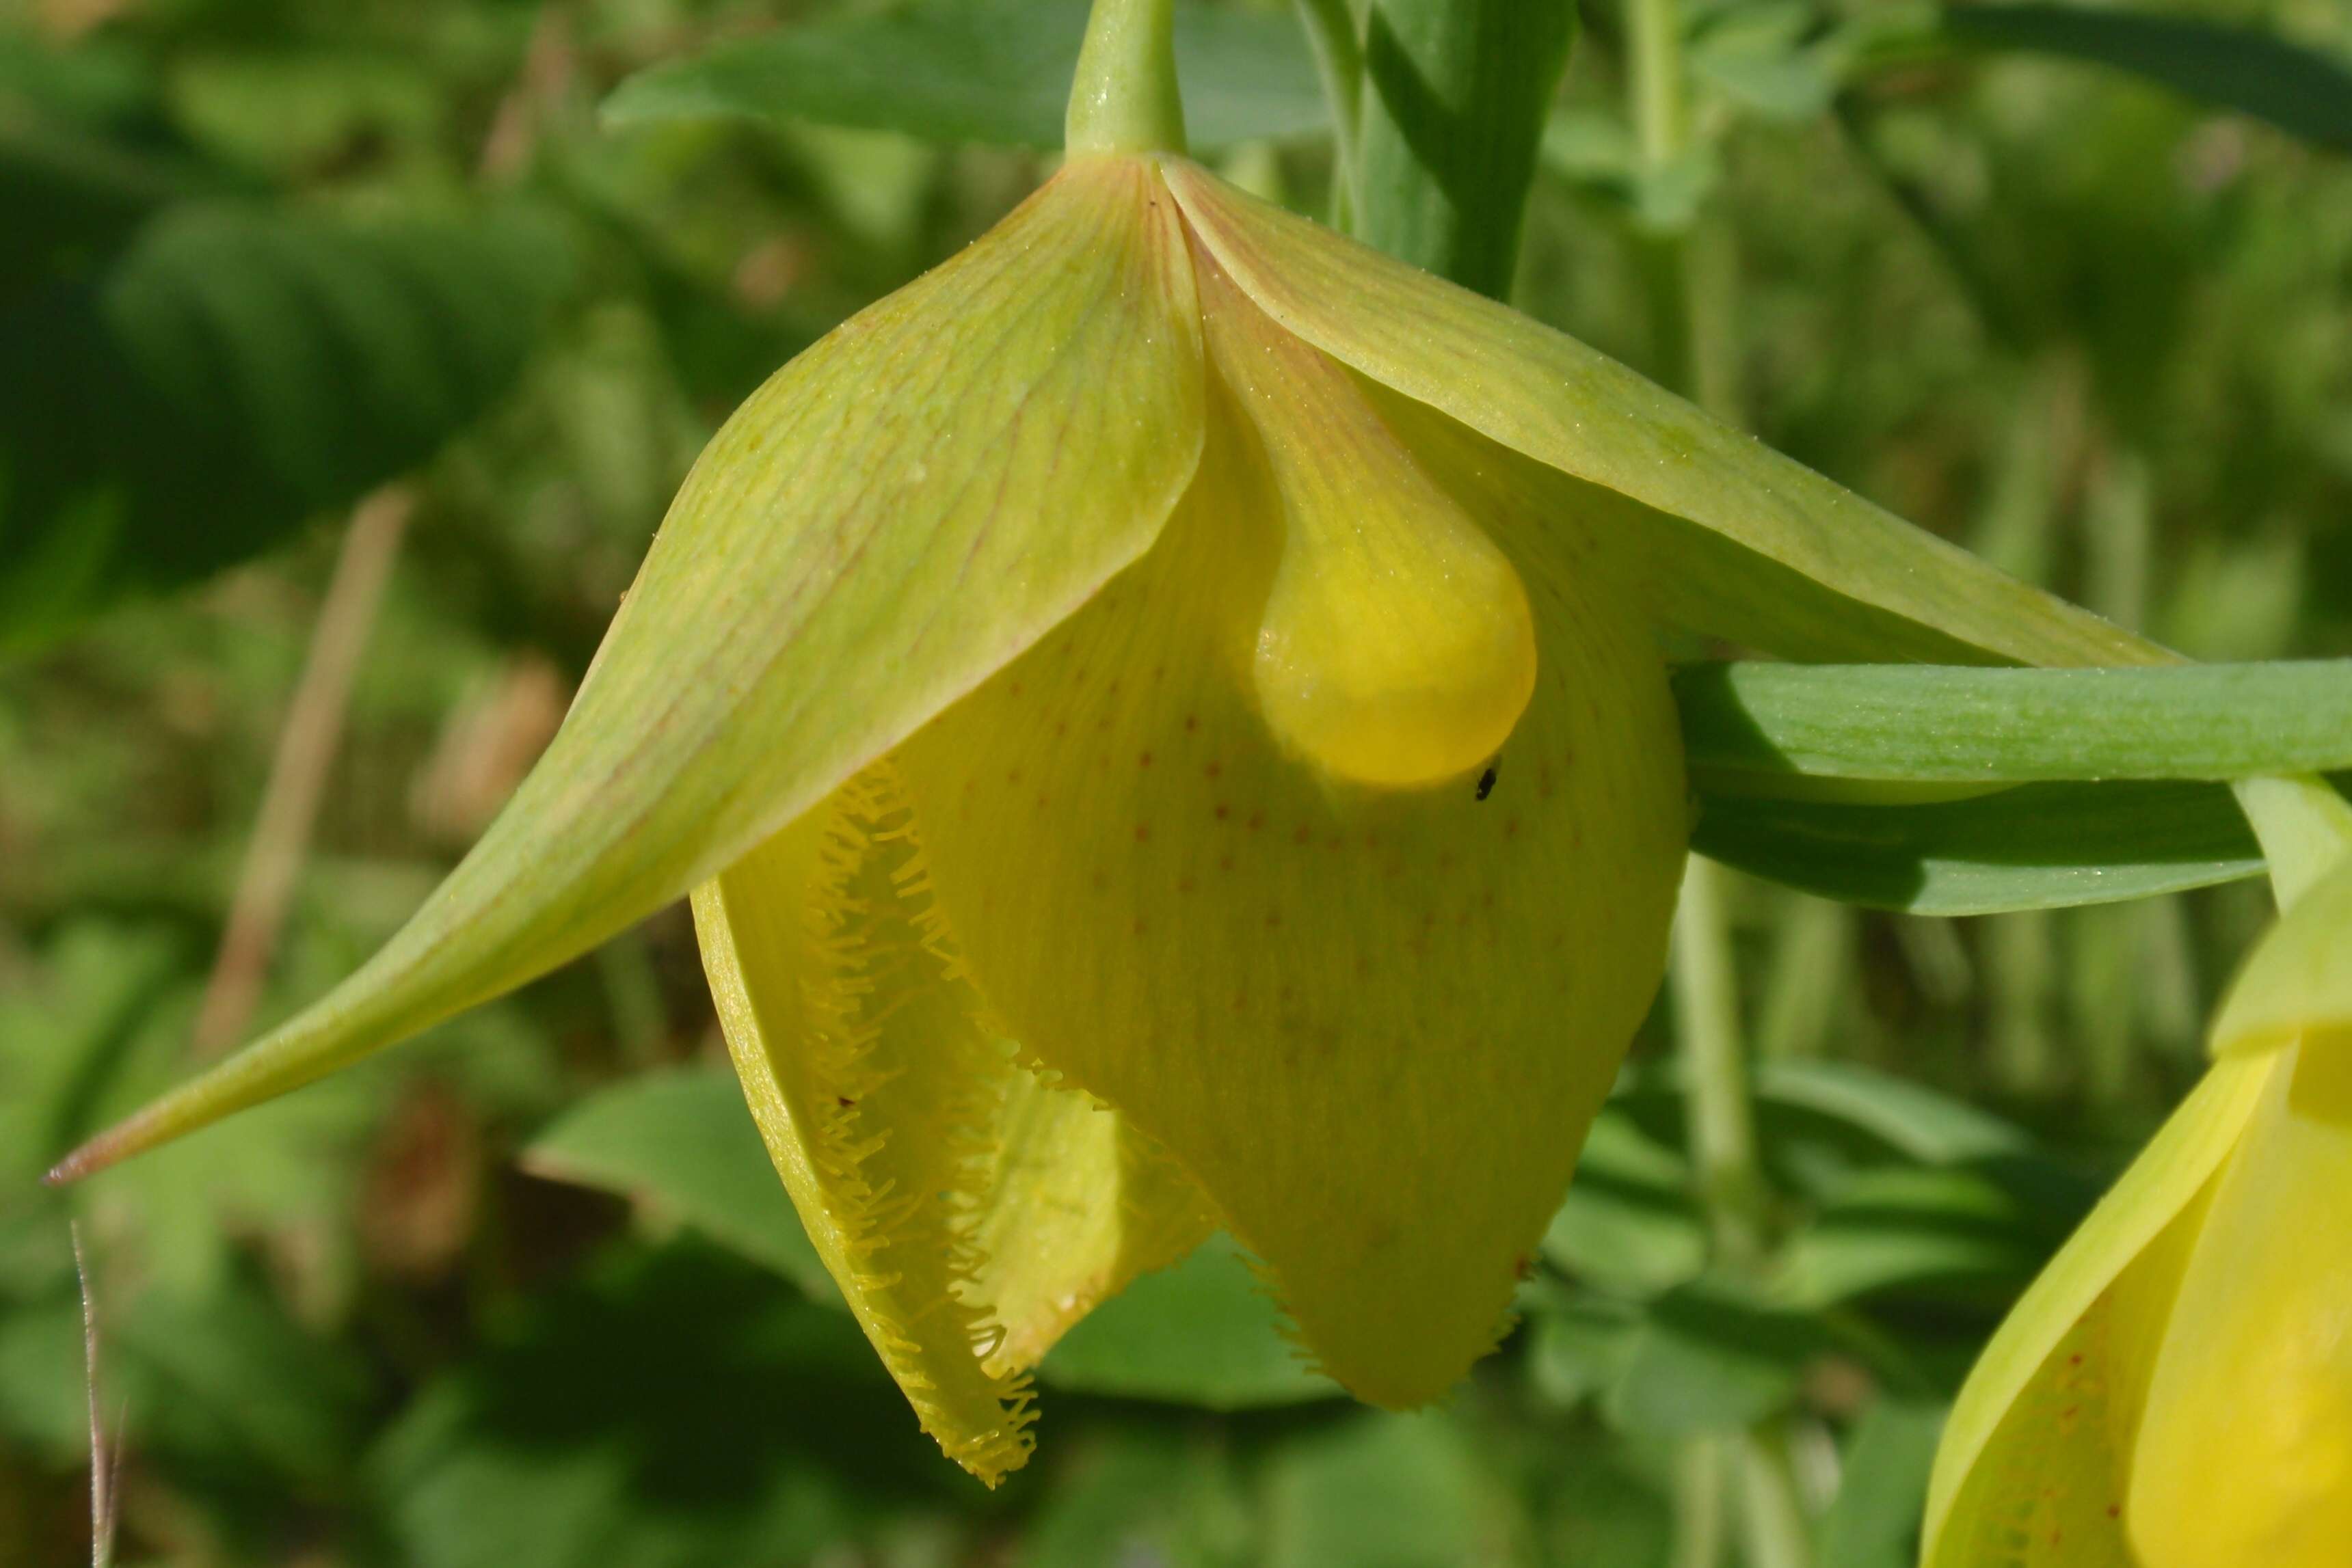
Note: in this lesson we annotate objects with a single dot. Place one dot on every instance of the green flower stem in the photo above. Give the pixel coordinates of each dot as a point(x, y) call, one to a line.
point(1715, 1070)
point(1698, 1502)
point(1692, 320)
point(1125, 99)
point(1454, 101)
point(1339, 60)
point(1772, 1532)
point(1653, 45)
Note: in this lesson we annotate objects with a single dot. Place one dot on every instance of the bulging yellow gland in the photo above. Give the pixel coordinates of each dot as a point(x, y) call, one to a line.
point(1387, 681)
point(1397, 648)
point(2244, 1453)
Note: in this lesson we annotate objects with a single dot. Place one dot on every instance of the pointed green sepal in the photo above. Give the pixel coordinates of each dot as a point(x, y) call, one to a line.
point(897, 514)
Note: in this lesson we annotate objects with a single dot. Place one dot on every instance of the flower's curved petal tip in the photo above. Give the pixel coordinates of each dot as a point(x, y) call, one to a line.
point(284, 1060)
point(1720, 533)
point(894, 516)
point(968, 1211)
point(2297, 983)
point(108, 1148)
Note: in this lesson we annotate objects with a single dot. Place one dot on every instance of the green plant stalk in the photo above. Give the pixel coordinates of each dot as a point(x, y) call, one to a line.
point(1126, 99)
point(1772, 1532)
point(1698, 1503)
point(1339, 53)
point(1721, 1109)
point(1454, 98)
point(1692, 320)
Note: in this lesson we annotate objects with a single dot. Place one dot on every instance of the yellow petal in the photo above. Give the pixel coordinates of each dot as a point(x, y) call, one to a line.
point(898, 512)
point(1373, 1024)
point(2032, 1466)
point(1733, 537)
point(969, 1212)
point(2245, 1453)
point(1077, 1204)
point(2297, 984)
point(1396, 646)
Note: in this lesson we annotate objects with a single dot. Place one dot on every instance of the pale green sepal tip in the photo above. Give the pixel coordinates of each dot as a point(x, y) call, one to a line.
point(2297, 983)
point(1125, 99)
point(2306, 828)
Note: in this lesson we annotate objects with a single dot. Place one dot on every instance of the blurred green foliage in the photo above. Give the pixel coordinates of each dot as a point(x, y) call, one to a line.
point(523, 1296)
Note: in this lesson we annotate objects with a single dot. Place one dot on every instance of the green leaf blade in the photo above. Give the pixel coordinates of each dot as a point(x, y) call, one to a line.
point(2038, 846)
point(1768, 727)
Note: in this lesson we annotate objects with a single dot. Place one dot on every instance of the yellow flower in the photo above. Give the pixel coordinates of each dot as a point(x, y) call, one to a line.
point(2176, 1390)
point(1172, 653)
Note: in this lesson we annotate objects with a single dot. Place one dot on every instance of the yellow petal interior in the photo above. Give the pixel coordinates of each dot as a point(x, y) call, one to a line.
point(968, 1211)
point(1397, 647)
point(2245, 1453)
point(2026, 1476)
point(1372, 1023)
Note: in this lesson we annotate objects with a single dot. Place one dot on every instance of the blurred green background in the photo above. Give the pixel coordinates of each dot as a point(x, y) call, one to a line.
point(342, 333)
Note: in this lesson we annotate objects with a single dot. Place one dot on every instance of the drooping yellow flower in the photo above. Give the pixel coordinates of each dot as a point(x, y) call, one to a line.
point(1161, 723)
point(2176, 1390)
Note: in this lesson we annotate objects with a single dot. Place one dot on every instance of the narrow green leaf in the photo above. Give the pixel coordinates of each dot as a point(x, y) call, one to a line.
point(1874, 1522)
point(1204, 1333)
point(1455, 93)
point(1912, 1231)
point(1768, 726)
point(1911, 1119)
point(2300, 91)
point(979, 71)
point(2038, 846)
point(684, 1143)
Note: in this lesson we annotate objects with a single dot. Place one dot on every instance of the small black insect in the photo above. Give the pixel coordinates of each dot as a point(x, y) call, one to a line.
point(1485, 783)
